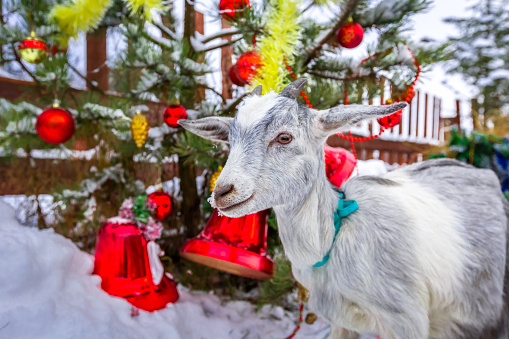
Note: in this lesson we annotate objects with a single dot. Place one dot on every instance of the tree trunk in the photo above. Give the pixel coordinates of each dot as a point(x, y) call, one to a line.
point(191, 215)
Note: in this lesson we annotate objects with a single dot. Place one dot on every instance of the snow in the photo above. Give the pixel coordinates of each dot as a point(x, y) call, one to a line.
point(48, 291)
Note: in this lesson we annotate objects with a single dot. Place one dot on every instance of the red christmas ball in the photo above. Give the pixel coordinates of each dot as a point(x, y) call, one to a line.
point(390, 120)
point(232, 9)
point(55, 125)
point(163, 205)
point(33, 50)
point(350, 35)
point(234, 78)
point(247, 66)
point(174, 113)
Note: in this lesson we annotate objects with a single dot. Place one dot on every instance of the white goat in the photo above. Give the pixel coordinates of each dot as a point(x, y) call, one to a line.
point(425, 254)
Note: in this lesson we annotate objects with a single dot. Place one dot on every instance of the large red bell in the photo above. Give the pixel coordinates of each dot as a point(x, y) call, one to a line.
point(234, 245)
point(130, 267)
point(339, 164)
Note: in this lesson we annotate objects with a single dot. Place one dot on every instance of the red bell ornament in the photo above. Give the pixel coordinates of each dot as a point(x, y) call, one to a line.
point(232, 74)
point(350, 35)
point(339, 164)
point(55, 125)
point(130, 268)
point(174, 113)
point(234, 245)
point(162, 205)
point(232, 9)
point(247, 66)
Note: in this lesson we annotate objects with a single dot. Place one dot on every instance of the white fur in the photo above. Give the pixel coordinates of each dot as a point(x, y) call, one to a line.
point(255, 108)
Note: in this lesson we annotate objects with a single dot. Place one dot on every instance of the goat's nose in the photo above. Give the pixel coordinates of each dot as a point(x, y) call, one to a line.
point(223, 190)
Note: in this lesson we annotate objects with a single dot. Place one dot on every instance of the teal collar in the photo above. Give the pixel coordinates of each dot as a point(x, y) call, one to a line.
point(345, 208)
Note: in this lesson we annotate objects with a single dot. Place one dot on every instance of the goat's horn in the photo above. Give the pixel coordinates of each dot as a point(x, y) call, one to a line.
point(257, 90)
point(293, 90)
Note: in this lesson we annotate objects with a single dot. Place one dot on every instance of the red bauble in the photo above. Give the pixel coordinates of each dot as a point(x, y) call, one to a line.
point(390, 120)
point(33, 50)
point(350, 35)
point(247, 66)
point(339, 164)
point(123, 262)
point(162, 201)
point(55, 125)
point(234, 78)
point(232, 9)
point(174, 113)
point(234, 245)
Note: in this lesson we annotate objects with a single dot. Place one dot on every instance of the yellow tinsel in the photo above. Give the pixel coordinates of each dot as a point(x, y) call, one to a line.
point(143, 8)
point(85, 15)
point(79, 15)
point(283, 24)
point(139, 129)
point(213, 178)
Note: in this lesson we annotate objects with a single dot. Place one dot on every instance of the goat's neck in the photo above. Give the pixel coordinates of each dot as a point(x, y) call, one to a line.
point(306, 228)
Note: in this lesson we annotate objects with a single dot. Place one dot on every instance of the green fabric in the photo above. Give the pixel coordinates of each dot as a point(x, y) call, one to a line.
point(345, 208)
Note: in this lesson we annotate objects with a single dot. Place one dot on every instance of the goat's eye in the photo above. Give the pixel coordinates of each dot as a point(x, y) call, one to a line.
point(284, 138)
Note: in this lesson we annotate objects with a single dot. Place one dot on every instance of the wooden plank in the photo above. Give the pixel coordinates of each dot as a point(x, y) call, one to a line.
point(425, 115)
point(434, 120)
point(458, 116)
point(418, 94)
point(97, 56)
point(410, 119)
point(226, 64)
point(440, 120)
point(199, 26)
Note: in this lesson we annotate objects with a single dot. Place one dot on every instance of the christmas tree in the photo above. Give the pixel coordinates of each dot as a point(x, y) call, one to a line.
point(481, 55)
point(165, 64)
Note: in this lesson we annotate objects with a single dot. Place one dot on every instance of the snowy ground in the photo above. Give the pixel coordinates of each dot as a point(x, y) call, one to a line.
point(47, 291)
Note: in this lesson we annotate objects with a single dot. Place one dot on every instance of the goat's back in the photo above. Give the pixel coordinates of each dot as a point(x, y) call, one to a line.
point(444, 225)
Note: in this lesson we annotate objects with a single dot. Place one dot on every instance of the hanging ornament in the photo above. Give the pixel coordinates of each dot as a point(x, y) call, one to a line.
point(55, 125)
point(213, 178)
point(247, 66)
point(33, 49)
point(130, 268)
point(161, 205)
point(232, 9)
point(234, 78)
point(173, 113)
point(350, 34)
point(339, 164)
point(139, 129)
point(390, 120)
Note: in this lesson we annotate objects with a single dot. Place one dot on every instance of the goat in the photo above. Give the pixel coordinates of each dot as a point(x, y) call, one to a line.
point(425, 254)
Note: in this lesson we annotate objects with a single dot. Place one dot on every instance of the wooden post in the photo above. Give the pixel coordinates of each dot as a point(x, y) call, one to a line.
point(425, 115)
point(458, 116)
point(418, 94)
point(410, 104)
point(199, 26)
point(226, 64)
point(440, 120)
point(476, 123)
point(97, 70)
point(434, 121)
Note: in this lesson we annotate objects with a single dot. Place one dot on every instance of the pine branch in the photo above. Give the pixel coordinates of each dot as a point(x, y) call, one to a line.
point(24, 67)
point(221, 34)
point(89, 83)
point(349, 7)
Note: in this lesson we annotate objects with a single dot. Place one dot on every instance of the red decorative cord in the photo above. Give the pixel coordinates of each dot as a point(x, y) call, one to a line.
point(297, 328)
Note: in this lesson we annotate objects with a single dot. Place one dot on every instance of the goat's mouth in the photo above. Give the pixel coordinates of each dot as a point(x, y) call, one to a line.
point(238, 204)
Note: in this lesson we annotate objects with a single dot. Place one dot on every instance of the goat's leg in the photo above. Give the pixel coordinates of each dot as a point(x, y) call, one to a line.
point(341, 333)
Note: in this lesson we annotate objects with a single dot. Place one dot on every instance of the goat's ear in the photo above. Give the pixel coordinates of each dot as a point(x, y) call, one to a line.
point(212, 128)
point(343, 117)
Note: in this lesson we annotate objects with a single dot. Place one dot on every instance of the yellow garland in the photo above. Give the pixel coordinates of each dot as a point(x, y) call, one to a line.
point(85, 15)
point(143, 7)
point(79, 15)
point(284, 31)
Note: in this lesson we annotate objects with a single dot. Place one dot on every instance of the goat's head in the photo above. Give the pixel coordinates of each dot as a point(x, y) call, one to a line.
point(276, 147)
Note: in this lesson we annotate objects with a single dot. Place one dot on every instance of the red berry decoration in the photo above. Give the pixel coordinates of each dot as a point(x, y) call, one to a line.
point(55, 125)
point(174, 113)
point(350, 35)
point(390, 120)
point(232, 9)
point(163, 205)
point(247, 66)
point(234, 78)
